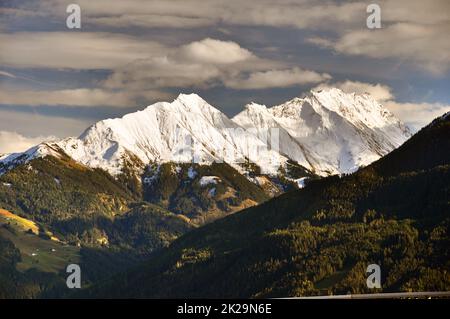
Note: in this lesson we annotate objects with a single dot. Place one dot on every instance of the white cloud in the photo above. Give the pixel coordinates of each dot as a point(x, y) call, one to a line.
point(13, 142)
point(195, 13)
point(428, 12)
point(161, 72)
point(413, 31)
point(7, 74)
point(75, 97)
point(331, 15)
point(149, 21)
point(426, 46)
point(276, 79)
point(205, 63)
point(417, 115)
point(211, 51)
point(73, 50)
point(208, 63)
point(33, 124)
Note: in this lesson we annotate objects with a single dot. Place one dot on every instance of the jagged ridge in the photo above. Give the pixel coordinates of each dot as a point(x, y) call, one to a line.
point(327, 132)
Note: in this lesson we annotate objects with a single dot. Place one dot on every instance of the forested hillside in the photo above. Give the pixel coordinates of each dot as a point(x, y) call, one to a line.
point(319, 240)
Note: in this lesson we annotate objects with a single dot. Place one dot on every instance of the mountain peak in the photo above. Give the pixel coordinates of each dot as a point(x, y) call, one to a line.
point(329, 89)
point(252, 106)
point(185, 129)
point(337, 92)
point(191, 98)
point(332, 131)
point(185, 103)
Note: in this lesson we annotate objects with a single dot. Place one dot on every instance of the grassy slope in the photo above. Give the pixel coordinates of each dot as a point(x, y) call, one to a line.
point(81, 206)
point(40, 267)
point(29, 264)
point(23, 223)
point(45, 259)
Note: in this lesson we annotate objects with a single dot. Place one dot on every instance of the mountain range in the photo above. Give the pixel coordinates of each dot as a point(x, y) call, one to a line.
point(152, 196)
point(163, 152)
point(318, 240)
point(326, 132)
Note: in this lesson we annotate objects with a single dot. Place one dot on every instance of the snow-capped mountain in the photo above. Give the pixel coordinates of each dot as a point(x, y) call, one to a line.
point(327, 132)
point(186, 130)
point(9, 161)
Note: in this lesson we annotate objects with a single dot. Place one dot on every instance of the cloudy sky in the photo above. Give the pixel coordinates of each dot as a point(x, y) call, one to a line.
point(55, 81)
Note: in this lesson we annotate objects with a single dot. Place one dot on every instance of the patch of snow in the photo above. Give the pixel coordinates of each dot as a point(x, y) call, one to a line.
point(258, 180)
point(301, 182)
point(149, 179)
point(206, 180)
point(177, 169)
